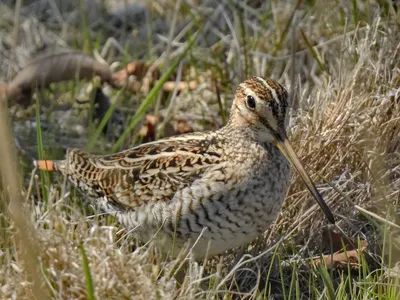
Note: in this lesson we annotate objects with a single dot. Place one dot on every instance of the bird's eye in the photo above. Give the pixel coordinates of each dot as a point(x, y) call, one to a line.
point(251, 103)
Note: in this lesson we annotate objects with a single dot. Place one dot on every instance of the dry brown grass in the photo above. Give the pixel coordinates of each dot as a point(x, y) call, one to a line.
point(346, 129)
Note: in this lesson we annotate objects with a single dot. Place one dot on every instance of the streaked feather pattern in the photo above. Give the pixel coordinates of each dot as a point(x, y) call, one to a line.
point(227, 185)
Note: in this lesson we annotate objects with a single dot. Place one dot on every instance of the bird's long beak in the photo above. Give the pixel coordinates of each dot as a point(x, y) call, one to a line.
point(284, 146)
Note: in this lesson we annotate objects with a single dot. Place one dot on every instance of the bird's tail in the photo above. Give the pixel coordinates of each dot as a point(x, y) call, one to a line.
point(75, 162)
point(51, 165)
point(80, 171)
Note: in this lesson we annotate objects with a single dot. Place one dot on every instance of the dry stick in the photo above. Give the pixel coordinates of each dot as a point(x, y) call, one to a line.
point(24, 236)
point(56, 66)
point(30, 187)
point(376, 216)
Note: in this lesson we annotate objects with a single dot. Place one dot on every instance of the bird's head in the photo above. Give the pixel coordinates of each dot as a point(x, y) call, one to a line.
point(261, 104)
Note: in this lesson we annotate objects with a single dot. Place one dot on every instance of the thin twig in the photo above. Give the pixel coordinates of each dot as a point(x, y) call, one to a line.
point(374, 215)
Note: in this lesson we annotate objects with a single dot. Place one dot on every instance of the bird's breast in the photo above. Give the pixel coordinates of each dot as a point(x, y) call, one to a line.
point(229, 206)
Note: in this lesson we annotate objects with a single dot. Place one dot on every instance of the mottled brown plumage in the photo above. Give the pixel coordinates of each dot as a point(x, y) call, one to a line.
point(226, 186)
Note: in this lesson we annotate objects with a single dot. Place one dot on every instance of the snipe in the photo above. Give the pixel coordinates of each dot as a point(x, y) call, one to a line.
point(226, 185)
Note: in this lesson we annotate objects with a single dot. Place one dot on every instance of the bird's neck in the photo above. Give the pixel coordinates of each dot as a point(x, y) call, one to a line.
point(237, 134)
point(234, 129)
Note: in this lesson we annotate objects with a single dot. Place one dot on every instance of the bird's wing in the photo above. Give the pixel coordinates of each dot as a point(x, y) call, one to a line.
point(150, 172)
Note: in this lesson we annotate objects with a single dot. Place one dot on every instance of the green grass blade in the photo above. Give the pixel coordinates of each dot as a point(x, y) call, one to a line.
point(39, 139)
point(87, 43)
point(313, 52)
point(355, 13)
point(44, 176)
point(282, 277)
point(150, 99)
point(102, 124)
point(88, 275)
point(327, 282)
point(285, 31)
